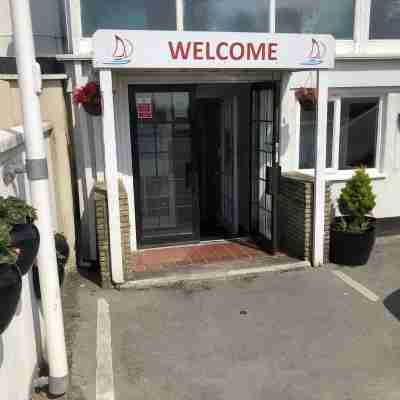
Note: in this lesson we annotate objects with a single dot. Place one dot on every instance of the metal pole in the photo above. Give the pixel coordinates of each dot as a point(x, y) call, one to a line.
point(30, 86)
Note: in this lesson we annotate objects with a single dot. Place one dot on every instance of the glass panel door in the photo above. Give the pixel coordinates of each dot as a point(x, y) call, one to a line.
point(265, 170)
point(165, 173)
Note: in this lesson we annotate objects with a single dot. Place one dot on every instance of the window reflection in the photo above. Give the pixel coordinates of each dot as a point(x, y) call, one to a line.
point(227, 15)
point(358, 133)
point(122, 14)
point(385, 19)
point(311, 16)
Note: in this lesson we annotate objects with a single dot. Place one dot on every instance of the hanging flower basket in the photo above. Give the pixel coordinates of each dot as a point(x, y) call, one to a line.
point(89, 96)
point(307, 97)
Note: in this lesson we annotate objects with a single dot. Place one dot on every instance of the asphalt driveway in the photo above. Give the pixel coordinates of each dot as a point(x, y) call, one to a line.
point(298, 335)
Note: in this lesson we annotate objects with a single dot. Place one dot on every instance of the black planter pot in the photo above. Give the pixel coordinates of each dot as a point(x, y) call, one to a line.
point(62, 248)
point(348, 248)
point(10, 292)
point(26, 238)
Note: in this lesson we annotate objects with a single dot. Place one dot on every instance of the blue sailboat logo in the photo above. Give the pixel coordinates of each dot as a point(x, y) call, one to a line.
point(123, 50)
point(317, 53)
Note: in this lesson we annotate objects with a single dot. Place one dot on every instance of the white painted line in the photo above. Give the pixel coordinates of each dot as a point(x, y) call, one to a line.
point(104, 370)
point(357, 286)
point(169, 280)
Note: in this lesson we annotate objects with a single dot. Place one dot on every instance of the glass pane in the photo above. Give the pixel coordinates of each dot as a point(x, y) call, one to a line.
point(385, 19)
point(162, 103)
point(311, 16)
point(266, 107)
point(122, 14)
point(358, 132)
point(227, 15)
point(307, 137)
point(181, 105)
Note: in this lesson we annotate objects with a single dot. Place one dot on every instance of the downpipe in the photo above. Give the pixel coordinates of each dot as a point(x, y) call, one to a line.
point(29, 79)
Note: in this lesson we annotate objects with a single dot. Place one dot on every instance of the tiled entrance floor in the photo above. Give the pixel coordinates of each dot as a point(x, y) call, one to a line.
point(215, 255)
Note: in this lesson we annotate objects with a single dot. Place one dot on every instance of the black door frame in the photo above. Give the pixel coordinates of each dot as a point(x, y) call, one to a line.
point(170, 240)
point(272, 173)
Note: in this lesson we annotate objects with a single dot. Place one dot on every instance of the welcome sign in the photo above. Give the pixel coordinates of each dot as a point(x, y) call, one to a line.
point(211, 50)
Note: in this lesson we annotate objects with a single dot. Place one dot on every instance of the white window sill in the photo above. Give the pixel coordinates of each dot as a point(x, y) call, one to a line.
point(344, 175)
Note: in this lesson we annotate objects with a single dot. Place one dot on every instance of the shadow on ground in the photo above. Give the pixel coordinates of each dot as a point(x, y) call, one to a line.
point(392, 303)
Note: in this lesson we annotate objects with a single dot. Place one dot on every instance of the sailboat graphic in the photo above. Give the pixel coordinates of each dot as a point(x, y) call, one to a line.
point(123, 49)
point(317, 53)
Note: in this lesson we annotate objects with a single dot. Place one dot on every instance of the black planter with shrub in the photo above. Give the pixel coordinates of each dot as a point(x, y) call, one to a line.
point(10, 292)
point(25, 236)
point(10, 278)
point(62, 250)
point(353, 234)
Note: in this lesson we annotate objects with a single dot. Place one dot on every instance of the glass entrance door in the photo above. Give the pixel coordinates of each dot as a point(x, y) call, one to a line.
point(265, 169)
point(165, 169)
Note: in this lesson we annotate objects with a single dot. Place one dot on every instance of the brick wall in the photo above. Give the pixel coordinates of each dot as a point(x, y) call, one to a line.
point(103, 234)
point(296, 204)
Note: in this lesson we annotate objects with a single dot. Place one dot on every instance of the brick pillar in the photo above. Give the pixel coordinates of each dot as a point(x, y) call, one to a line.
point(103, 236)
point(296, 205)
point(103, 233)
point(125, 227)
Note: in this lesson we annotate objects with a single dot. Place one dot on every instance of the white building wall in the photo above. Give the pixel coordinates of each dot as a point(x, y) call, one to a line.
point(372, 78)
point(20, 343)
point(48, 27)
point(21, 348)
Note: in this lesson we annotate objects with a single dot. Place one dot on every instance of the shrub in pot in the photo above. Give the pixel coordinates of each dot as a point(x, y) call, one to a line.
point(10, 278)
point(62, 252)
point(353, 234)
point(24, 234)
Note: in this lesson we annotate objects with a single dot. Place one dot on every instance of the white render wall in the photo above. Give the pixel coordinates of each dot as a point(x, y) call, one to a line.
point(20, 343)
point(21, 348)
point(368, 78)
point(47, 23)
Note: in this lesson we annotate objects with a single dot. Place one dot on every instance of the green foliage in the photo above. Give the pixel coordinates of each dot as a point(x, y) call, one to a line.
point(356, 202)
point(7, 253)
point(12, 211)
point(15, 211)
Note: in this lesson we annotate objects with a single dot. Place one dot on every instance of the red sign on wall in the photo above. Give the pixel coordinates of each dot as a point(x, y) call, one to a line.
point(144, 108)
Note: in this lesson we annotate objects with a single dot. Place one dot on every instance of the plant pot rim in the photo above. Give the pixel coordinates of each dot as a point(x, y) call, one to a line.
point(371, 228)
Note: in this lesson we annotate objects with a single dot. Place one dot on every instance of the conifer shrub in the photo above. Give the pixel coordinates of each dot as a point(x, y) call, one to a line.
point(356, 202)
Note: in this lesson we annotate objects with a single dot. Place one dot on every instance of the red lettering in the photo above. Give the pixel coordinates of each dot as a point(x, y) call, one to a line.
point(272, 49)
point(219, 54)
point(198, 50)
point(253, 54)
point(208, 53)
point(232, 53)
point(180, 51)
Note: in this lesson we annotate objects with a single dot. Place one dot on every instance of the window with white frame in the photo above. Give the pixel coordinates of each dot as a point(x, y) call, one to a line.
point(311, 16)
point(307, 137)
point(227, 15)
point(385, 19)
point(122, 14)
point(352, 134)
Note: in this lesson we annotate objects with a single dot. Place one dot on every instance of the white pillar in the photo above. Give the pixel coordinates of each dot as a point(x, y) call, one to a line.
point(111, 175)
point(37, 169)
point(320, 162)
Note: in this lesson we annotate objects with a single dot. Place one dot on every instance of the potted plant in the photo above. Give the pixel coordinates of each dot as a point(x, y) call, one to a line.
point(307, 97)
point(10, 278)
point(20, 216)
point(89, 96)
point(62, 252)
point(353, 234)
